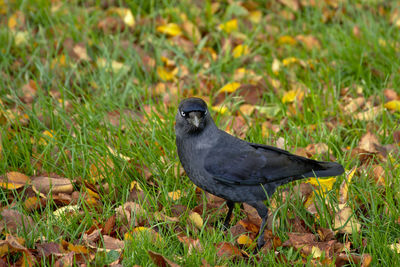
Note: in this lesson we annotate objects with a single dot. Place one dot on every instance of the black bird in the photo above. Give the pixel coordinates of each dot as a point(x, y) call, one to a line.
point(236, 170)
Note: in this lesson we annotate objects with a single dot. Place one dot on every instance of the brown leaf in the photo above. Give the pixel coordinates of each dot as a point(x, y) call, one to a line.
point(252, 214)
point(111, 243)
point(237, 230)
point(390, 95)
point(249, 225)
point(298, 240)
point(29, 92)
point(65, 261)
point(15, 221)
point(309, 41)
point(325, 234)
point(369, 142)
point(44, 185)
point(378, 174)
point(160, 260)
point(292, 4)
point(129, 211)
point(49, 249)
point(13, 180)
point(193, 244)
point(227, 250)
point(319, 148)
point(396, 137)
point(345, 220)
point(109, 225)
point(15, 244)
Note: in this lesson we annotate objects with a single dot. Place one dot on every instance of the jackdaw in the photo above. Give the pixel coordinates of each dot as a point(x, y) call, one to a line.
point(234, 169)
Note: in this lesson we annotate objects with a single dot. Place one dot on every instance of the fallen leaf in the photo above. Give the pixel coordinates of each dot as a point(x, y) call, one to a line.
point(229, 88)
point(125, 14)
point(129, 211)
point(344, 187)
point(369, 114)
point(395, 247)
point(175, 195)
point(171, 29)
point(286, 39)
point(112, 65)
point(227, 250)
point(196, 219)
point(229, 26)
point(309, 41)
point(166, 75)
point(246, 241)
point(390, 94)
point(49, 249)
point(160, 261)
point(14, 222)
point(66, 213)
point(44, 185)
point(393, 105)
point(345, 220)
point(240, 50)
point(276, 66)
point(369, 142)
point(13, 180)
point(193, 244)
point(110, 243)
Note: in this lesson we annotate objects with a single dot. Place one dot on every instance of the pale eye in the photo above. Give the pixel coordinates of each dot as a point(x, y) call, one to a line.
point(183, 114)
point(205, 113)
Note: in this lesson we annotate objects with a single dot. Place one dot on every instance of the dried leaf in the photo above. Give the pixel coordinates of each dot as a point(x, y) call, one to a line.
point(166, 75)
point(369, 142)
point(229, 88)
point(175, 195)
point(343, 191)
point(196, 219)
point(14, 180)
point(193, 244)
point(393, 105)
point(246, 241)
point(345, 220)
point(14, 221)
point(44, 185)
point(66, 212)
point(111, 243)
point(227, 250)
point(160, 261)
point(240, 50)
point(171, 29)
point(229, 26)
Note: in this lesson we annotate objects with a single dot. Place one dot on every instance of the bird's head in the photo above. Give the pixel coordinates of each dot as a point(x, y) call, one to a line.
point(192, 115)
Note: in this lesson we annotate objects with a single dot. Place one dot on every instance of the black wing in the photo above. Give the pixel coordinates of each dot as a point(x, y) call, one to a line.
point(234, 161)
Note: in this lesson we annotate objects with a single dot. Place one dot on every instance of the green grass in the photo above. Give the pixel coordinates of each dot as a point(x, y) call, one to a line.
point(85, 94)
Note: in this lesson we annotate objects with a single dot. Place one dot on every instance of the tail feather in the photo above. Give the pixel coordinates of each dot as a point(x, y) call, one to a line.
point(326, 169)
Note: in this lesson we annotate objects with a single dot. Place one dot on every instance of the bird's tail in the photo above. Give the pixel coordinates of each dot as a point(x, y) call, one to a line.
point(325, 169)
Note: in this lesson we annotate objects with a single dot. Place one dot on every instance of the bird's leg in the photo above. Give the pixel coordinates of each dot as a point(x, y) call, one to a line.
point(227, 220)
point(263, 212)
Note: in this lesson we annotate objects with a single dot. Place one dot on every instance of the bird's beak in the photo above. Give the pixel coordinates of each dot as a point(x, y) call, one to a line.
point(195, 118)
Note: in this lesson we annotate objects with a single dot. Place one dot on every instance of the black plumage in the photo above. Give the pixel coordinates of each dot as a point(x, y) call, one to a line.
point(236, 170)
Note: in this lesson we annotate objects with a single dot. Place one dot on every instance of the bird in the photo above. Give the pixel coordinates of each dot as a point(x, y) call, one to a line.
point(234, 169)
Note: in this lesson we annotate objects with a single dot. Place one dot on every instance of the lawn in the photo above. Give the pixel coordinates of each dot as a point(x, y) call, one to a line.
point(88, 95)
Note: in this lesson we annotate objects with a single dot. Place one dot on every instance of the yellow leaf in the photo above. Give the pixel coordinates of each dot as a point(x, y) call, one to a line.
point(240, 50)
point(135, 185)
point(324, 184)
point(247, 109)
point(229, 88)
point(289, 61)
point(12, 21)
point(245, 240)
point(196, 219)
point(155, 237)
point(289, 96)
point(128, 18)
point(229, 26)
point(166, 75)
point(211, 51)
point(220, 109)
point(344, 188)
point(316, 252)
point(175, 195)
point(255, 16)
point(14, 180)
point(115, 66)
point(171, 29)
point(276, 66)
point(21, 38)
point(286, 39)
point(395, 247)
point(393, 105)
